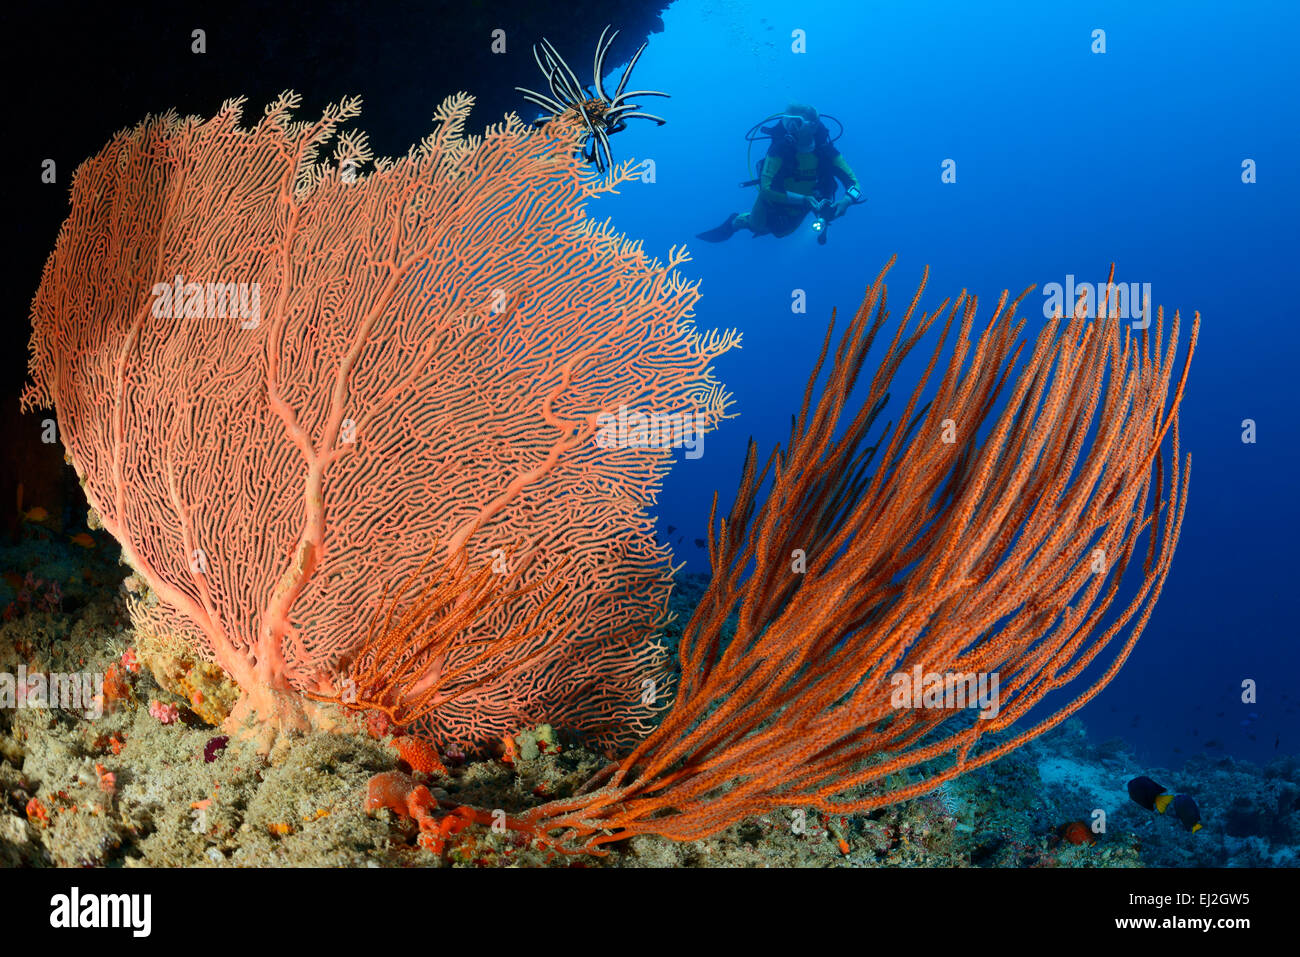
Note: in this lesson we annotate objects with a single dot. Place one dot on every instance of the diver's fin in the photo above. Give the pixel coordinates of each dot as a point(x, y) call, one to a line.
point(720, 233)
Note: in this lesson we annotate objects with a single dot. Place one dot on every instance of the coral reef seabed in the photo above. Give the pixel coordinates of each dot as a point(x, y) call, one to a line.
point(149, 783)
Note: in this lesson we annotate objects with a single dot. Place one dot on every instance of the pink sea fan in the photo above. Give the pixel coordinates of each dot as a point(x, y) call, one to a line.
point(285, 386)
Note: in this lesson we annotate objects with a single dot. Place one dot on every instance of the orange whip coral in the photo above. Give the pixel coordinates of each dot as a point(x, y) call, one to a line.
point(965, 540)
point(286, 382)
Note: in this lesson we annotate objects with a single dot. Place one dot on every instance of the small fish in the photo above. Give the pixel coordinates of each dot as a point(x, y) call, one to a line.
point(36, 514)
point(83, 539)
point(1148, 794)
point(700, 543)
point(671, 529)
point(1187, 812)
point(680, 539)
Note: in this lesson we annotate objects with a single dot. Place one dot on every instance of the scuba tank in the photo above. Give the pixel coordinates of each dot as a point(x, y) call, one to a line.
point(759, 132)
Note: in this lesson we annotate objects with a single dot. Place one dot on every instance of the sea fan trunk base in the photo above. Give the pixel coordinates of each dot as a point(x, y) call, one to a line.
point(270, 717)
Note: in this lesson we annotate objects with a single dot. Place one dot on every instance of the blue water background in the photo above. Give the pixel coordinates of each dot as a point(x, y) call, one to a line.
point(1066, 160)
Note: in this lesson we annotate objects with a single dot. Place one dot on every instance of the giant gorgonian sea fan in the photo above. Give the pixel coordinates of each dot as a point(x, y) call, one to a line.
point(299, 391)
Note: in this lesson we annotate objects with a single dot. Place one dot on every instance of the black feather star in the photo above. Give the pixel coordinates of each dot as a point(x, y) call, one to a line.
point(603, 115)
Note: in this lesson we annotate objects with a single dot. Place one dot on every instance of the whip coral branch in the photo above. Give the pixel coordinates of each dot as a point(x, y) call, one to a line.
point(964, 539)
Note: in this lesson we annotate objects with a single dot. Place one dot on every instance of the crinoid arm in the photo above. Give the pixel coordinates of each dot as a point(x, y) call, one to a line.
point(601, 114)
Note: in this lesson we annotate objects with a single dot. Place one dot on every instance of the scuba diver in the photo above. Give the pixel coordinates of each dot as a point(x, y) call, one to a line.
point(796, 177)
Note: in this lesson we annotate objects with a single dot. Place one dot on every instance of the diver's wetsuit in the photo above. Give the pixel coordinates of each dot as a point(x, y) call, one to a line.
point(787, 177)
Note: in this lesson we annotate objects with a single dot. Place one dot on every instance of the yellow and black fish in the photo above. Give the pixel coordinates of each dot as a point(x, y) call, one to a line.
point(1150, 795)
point(1186, 810)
